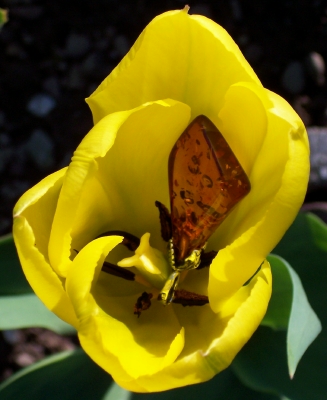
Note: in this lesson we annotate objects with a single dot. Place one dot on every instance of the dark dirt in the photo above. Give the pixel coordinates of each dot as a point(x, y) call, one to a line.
point(54, 53)
point(23, 347)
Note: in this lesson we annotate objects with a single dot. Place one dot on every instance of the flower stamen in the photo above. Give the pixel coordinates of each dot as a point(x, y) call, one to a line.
point(186, 298)
point(142, 303)
point(165, 221)
point(113, 269)
point(130, 241)
point(206, 258)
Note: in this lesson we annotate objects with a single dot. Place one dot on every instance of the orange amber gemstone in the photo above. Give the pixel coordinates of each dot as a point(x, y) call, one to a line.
point(205, 182)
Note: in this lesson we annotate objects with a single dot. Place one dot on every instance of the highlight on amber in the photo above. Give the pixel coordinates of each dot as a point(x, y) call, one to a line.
point(205, 182)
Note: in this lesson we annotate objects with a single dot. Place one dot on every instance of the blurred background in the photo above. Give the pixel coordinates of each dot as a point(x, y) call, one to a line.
point(54, 53)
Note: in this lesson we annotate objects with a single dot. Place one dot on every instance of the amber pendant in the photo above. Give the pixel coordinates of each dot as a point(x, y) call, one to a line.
point(205, 182)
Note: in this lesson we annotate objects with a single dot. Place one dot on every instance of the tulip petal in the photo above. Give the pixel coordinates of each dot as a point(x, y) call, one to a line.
point(108, 175)
point(144, 345)
point(247, 316)
point(118, 172)
point(258, 222)
point(32, 225)
point(243, 122)
point(212, 340)
point(185, 57)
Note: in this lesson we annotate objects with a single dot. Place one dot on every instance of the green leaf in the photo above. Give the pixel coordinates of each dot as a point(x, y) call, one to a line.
point(223, 386)
point(12, 280)
point(3, 16)
point(116, 392)
point(69, 375)
point(23, 311)
point(262, 363)
point(303, 324)
point(280, 304)
point(303, 327)
point(318, 231)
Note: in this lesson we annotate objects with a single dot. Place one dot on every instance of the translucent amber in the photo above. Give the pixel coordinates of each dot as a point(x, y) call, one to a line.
point(205, 182)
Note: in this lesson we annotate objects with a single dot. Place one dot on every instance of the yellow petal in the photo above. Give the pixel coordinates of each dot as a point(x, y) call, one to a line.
point(120, 170)
point(279, 175)
point(108, 326)
point(211, 340)
point(113, 182)
point(243, 122)
point(248, 313)
point(184, 57)
point(33, 216)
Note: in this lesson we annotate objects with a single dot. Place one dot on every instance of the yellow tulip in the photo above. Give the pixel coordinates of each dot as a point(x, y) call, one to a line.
point(181, 66)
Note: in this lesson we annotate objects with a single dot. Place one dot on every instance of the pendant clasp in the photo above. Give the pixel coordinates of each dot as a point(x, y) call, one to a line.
point(166, 296)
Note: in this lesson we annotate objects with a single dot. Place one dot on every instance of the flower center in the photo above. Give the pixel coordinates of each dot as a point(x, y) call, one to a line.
point(150, 263)
point(154, 270)
point(205, 182)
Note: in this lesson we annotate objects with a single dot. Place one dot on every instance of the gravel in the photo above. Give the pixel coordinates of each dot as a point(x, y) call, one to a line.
point(55, 53)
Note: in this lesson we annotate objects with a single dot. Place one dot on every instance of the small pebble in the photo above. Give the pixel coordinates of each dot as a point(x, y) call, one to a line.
point(2, 118)
point(253, 53)
point(243, 39)
point(27, 353)
point(90, 63)
point(12, 336)
point(293, 78)
point(4, 140)
point(54, 342)
point(315, 66)
point(52, 85)
point(62, 66)
point(16, 51)
point(5, 224)
point(236, 10)
point(318, 155)
point(11, 191)
point(27, 38)
point(102, 44)
point(24, 359)
point(41, 105)
point(301, 104)
point(5, 157)
point(110, 31)
point(40, 148)
point(201, 9)
point(75, 78)
point(323, 173)
point(65, 160)
point(77, 45)
point(28, 12)
point(18, 167)
point(121, 45)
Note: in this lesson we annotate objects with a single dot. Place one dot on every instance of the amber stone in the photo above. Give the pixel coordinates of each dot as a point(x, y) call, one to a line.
point(205, 182)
